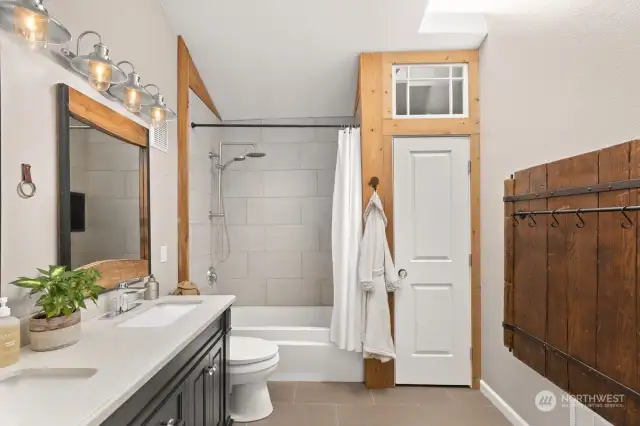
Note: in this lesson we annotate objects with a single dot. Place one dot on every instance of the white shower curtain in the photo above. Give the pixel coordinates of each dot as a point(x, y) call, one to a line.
point(346, 232)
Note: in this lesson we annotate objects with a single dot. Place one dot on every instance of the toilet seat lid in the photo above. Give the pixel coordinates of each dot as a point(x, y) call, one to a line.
point(248, 350)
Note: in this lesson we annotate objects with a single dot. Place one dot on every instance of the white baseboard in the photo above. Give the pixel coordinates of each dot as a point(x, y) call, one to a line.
point(502, 405)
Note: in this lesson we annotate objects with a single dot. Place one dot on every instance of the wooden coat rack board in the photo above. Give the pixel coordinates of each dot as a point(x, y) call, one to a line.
point(572, 281)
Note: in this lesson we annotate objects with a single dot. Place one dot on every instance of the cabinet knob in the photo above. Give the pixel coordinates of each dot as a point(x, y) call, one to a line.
point(212, 369)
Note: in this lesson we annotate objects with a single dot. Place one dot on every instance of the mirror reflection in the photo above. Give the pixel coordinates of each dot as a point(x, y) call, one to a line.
point(105, 201)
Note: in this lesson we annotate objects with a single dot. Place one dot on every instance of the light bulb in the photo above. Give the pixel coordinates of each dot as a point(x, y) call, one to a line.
point(132, 100)
point(31, 26)
point(99, 75)
point(158, 116)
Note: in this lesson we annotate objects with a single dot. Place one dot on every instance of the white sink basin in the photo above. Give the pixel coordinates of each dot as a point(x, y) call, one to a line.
point(161, 315)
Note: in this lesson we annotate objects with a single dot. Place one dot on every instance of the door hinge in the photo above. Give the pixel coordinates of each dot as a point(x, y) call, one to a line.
point(470, 260)
point(469, 166)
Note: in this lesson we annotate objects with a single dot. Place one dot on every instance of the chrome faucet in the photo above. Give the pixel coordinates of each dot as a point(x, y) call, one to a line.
point(127, 283)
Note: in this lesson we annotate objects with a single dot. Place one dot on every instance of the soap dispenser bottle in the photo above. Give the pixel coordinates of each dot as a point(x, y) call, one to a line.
point(9, 335)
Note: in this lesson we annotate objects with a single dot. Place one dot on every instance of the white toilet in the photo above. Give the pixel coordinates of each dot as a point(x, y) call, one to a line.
point(251, 363)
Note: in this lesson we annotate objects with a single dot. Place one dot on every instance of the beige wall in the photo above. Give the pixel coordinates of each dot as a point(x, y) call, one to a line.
point(553, 84)
point(29, 227)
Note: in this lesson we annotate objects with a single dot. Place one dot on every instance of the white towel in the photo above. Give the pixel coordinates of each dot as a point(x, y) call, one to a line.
point(377, 275)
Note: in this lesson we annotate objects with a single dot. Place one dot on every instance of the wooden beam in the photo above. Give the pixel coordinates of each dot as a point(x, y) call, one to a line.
point(183, 160)
point(197, 85)
point(107, 120)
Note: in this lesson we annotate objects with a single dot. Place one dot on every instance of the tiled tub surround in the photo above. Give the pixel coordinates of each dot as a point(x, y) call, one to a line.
point(279, 214)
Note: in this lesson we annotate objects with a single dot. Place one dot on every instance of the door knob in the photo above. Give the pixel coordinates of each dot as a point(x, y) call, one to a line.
point(212, 369)
point(402, 273)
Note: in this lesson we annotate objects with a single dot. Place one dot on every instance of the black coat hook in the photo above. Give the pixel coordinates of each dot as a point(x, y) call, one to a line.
point(532, 222)
point(629, 223)
point(514, 216)
point(555, 223)
point(581, 224)
point(374, 183)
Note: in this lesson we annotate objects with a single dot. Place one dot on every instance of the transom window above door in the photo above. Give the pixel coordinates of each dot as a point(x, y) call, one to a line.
point(430, 91)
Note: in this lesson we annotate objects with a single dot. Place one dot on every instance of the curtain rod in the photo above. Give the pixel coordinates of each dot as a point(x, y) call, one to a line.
point(292, 126)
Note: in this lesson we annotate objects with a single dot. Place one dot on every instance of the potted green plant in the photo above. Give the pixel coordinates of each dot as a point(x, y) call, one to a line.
point(62, 294)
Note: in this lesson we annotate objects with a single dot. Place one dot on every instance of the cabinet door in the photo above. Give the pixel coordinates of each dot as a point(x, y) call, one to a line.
point(173, 411)
point(200, 392)
point(218, 385)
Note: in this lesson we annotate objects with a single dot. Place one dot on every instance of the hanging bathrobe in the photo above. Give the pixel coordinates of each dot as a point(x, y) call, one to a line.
point(377, 276)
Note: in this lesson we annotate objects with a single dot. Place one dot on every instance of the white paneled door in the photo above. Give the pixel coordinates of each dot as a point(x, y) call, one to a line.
point(433, 244)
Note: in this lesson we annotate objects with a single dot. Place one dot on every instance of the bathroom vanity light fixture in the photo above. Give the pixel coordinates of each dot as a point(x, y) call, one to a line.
point(97, 66)
point(158, 112)
point(131, 93)
point(30, 20)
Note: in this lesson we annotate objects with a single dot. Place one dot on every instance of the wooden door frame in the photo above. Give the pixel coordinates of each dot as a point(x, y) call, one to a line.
point(188, 78)
point(378, 130)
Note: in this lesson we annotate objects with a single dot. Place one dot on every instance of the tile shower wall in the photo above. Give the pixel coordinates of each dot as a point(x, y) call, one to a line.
point(279, 214)
point(201, 142)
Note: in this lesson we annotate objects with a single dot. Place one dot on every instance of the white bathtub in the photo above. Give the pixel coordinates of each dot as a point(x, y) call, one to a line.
point(302, 335)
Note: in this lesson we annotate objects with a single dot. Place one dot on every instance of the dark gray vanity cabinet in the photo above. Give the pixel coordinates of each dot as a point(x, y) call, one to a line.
point(193, 389)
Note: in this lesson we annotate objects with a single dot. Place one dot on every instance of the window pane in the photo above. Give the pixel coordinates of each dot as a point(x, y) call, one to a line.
point(457, 71)
point(429, 97)
point(429, 71)
point(401, 73)
point(401, 98)
point(458, 97)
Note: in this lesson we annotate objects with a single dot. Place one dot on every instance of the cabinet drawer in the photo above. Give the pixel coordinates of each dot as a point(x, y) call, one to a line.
point(172, 412)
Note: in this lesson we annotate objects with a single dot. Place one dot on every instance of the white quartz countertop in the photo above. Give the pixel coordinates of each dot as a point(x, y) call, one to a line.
point(126, 358)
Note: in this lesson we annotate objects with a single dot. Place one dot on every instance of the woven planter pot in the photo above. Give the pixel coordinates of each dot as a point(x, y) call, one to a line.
point(54, 333)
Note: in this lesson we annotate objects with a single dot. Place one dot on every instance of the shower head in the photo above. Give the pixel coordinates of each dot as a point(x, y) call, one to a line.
point(256, 154)
point(239, 158)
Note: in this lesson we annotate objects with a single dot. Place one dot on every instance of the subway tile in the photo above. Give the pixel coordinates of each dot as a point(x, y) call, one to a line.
point(199, 206)
point(247, 238)
point(325, 182)
point(106, 184)
point(274, 265)
point(98, 239)
point(108, 212)
point(113, 156)
point(326, 291)
point(242, 183)
point(199, 264)
point(200, 176)
point(292, 238)
point(330, 134)
point(132, 239)
point(319, 155)
point(78, 179)
point(317, 265)
point(304, 134)
point(279, 156)
point(132, 184)
point(292, 183)
point(274, 211)
point(199, 238)
point(235, 209)
point(248, 291)
point(317, 211)
point(234, 267)
point(292, 292)
point(239, 134)
point(325, 237)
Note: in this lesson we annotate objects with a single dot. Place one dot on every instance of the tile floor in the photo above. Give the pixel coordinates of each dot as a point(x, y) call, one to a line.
point(351, 404)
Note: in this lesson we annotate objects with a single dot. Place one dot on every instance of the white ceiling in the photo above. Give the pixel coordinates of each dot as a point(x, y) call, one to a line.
point(295, 58)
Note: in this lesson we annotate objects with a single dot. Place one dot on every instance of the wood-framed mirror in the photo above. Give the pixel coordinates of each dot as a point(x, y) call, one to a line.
point(103, 189)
